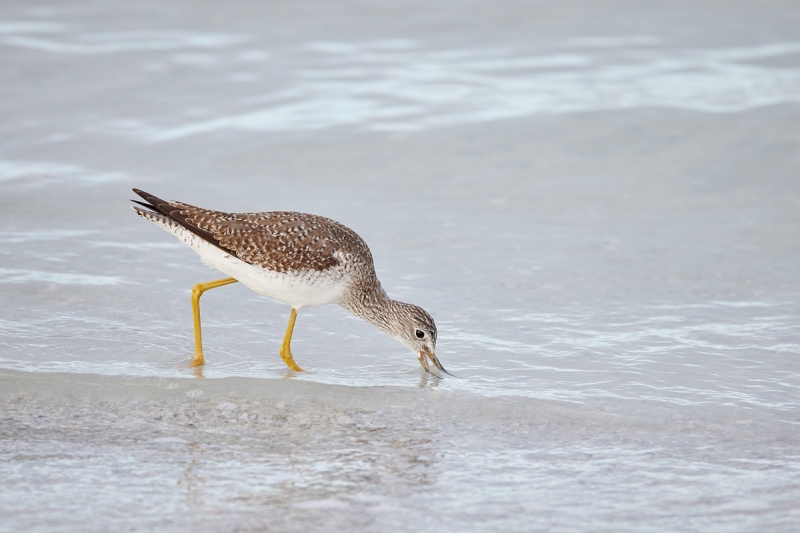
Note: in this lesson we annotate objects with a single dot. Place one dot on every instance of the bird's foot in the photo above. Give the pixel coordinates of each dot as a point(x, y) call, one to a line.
point(286, 355)
point(198, 360)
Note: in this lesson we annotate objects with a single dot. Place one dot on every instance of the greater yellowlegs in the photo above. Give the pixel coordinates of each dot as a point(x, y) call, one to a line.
point(300, 259)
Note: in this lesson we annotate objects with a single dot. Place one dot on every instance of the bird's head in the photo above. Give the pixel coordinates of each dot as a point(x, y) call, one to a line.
point(415, 328)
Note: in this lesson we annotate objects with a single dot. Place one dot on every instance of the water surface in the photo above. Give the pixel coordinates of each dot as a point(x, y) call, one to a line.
point(601, 216)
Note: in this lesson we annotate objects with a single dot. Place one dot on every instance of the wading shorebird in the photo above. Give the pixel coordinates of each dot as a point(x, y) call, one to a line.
point(299, 259)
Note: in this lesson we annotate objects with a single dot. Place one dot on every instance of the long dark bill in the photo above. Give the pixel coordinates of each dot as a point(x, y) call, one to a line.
point(434, 360)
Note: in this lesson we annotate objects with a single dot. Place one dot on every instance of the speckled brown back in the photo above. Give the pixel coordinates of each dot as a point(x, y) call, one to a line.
point(281, 241)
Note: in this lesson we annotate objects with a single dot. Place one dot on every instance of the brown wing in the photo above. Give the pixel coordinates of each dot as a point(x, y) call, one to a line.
point(278, 240)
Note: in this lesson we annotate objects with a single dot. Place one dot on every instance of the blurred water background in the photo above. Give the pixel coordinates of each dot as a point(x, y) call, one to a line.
point(599, 203)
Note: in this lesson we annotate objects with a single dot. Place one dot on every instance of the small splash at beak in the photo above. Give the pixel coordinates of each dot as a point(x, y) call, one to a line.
point(423, 360)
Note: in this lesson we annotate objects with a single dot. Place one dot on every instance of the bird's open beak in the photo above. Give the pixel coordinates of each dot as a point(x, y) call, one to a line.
point(424, 357)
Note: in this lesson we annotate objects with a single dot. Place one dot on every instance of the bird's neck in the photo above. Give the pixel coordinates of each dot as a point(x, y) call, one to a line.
point(371, 303)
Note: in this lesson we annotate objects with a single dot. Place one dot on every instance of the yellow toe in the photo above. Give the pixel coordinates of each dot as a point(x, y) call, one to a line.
point(286, 354)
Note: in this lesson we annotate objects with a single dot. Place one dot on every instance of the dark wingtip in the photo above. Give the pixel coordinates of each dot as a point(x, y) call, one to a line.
point(146, 206)
point(153, 202)
point(145, 195)
point(159, 206)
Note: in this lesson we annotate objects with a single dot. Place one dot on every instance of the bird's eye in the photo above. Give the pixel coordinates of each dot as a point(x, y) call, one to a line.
point(420, 334)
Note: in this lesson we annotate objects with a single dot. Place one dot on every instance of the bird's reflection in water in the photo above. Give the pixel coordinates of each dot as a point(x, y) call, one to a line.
point(429, 381)
point(290, 374)
point(197, 371)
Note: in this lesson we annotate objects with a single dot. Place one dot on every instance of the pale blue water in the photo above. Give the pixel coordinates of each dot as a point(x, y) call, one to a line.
point(598, 205)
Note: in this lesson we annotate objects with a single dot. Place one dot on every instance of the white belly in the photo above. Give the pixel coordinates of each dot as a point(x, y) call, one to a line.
point(299, 289)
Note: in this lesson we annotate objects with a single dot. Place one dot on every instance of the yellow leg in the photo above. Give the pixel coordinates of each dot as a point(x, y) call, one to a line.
point(197, 292)
point(286, 351)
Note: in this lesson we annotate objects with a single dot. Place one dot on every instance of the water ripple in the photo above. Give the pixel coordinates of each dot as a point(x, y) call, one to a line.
point(411, 88)
point(11, 275)
point(41, 173)
point(76, 42)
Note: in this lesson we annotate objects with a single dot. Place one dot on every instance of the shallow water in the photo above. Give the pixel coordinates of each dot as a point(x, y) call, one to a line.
point(598, 204)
